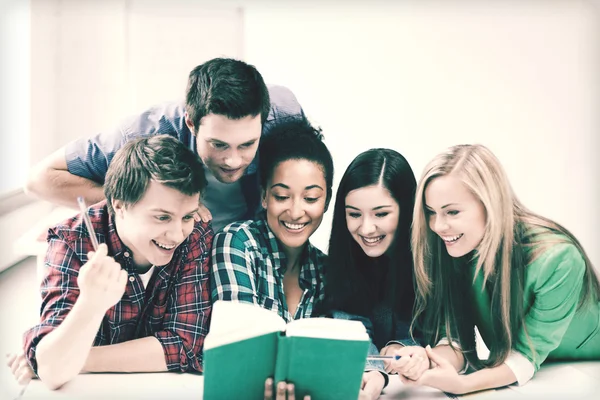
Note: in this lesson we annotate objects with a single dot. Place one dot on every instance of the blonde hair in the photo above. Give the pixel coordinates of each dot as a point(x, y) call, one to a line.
point(507, 247)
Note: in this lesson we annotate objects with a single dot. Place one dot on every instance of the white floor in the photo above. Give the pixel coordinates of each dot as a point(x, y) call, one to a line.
point(19, 300)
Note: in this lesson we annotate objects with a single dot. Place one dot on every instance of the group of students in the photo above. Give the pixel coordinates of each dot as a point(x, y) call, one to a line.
point(421, 264)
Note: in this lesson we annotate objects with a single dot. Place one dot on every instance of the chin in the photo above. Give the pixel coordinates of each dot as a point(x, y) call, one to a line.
point(294, 244)
point(457, 253)
point(224, 178)
point(373, 253)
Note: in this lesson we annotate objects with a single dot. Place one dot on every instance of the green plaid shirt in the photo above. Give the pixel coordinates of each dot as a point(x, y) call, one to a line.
point(247, 266)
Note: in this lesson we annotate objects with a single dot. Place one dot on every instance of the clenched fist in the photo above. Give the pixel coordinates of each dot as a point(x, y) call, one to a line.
point(101, 280)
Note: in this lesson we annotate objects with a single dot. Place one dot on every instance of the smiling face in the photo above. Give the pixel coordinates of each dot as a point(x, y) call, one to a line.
point(372, 218)
point(227, 146)
point(156, 225)
point(295, 199)
point(455, 214)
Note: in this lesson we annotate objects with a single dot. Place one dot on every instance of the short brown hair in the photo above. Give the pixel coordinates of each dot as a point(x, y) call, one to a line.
point(160, 158)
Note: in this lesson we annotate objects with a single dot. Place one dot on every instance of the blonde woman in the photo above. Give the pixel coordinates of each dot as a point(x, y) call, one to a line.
point(482, 259)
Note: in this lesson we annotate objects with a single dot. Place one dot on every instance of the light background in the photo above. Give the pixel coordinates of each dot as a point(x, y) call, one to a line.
point(520, 77)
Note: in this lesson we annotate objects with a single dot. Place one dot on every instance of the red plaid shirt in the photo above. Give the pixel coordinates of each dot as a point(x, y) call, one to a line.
point(175, 307)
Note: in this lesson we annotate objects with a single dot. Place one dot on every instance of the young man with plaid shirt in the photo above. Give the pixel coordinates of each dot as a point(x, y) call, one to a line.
point(141, 302)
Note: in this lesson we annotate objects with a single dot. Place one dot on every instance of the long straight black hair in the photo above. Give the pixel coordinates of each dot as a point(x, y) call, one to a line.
point(355, 282)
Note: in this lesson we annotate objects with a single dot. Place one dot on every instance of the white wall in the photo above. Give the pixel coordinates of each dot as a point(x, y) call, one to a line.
point(96, 62)
point(520, 77)
point(72, 68)
point(14, 92)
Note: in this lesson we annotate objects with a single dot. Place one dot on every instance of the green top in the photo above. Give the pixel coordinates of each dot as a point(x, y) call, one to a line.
point(556, 328)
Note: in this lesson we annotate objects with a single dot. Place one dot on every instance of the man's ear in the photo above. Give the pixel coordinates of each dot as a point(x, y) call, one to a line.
point(119, 207)
point(189, 123)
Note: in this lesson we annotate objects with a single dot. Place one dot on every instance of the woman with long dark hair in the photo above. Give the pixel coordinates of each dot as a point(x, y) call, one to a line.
point(369, 274)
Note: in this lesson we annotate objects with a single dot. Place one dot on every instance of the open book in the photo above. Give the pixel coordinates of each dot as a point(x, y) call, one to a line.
point(246, 344)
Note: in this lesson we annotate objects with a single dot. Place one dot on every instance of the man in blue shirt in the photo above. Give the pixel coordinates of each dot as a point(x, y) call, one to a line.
point(227, 109)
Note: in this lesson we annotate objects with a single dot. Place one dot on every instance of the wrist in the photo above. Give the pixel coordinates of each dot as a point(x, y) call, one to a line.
point(376, 382)
point(467, 385)
point(90, 307)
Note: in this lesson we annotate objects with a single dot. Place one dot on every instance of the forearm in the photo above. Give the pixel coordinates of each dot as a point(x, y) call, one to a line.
point(139, 355)
point(489, 378)
point(454, 357)
point(62, 188)
point(62, 353)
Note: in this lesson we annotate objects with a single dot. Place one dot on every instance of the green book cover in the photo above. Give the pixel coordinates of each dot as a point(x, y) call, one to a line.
point(246, 344)
point(322, 368)
point(240, 367)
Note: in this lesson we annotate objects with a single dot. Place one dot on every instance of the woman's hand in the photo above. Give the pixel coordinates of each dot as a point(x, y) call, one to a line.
point(371, 386)
point(442, 376)
point(413, 362)
point(20, 368)
point(285, 391)
point(389, 350)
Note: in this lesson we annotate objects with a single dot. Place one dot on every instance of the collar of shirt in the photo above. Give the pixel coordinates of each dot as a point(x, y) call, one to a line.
point(309, 272)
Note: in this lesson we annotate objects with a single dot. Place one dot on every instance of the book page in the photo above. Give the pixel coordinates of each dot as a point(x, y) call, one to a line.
point(233, 321)
point(327, 328)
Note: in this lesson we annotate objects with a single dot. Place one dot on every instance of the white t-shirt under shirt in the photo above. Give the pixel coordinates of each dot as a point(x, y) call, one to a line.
point(145, 277)
point(225, 201)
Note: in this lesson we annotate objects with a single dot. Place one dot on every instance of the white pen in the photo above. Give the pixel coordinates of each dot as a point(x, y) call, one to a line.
point(88, 223)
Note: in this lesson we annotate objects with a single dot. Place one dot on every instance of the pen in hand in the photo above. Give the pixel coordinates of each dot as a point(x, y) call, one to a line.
point(374, 358)
point(88, 223)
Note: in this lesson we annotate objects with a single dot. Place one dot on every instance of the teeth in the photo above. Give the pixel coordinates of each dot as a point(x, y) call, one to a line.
point(372, 240)
point(451, 238)
point(164, 246)
point(294, 226)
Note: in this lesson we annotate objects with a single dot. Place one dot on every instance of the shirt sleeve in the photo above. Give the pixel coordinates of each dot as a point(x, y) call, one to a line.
point(555, 281)
point(232, 276)
point(370, 365)
point(520, 366)
point(89, 157)
point(402, 334)
point(59, 291)
point(284, 106)
point(187, 317)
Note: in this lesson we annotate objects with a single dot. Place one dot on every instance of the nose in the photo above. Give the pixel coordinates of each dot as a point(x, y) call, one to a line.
point(367, 227)
point(296, 210)
point(177, 232)
point(439, 225)
point(233, 159)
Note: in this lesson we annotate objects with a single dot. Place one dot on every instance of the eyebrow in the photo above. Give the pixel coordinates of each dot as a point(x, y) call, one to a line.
point(283, 185)
point(447, 205)
point(374, 208)
point(162, 210)
point(251, 141)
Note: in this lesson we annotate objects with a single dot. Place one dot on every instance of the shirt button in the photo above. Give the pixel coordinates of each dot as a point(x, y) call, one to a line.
point(126, 254)
point(131, 278)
